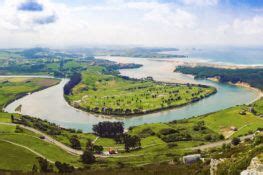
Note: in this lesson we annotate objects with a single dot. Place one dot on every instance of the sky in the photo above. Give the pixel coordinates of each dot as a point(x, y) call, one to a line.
point(152, 23)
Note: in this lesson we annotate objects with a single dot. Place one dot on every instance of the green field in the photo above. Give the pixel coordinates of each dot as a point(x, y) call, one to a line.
point(12, 88)
point(112, 95)
point(258, 107)
point(16, 158)
point(222, 121)
point(32, 141)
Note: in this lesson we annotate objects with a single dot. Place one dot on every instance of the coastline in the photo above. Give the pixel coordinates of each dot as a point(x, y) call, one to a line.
point(241, 84)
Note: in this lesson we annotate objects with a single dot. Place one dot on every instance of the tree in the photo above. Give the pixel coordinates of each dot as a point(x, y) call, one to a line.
point(131, 142)
point(89, 145)
point(87, 157)
point(258, 140)
point(34, 168)
point(199, 126)
point(44, 165)
point(12, 118)
point(97, 149)
point(235, 141)
point(108, 129)
point(64, 167)
point(74, 80)
point(93, 148)
point(75, 143)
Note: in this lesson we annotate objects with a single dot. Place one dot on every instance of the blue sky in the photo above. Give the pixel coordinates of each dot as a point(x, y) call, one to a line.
point(171, 23)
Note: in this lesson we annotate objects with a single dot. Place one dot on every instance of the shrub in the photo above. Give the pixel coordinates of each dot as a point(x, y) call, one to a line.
point(167, 131)
point(208, 137)
point(146, 133)
point(235, 141)
point(64, 167)
point(75, 143)
point(171, 145)
point(87, 157)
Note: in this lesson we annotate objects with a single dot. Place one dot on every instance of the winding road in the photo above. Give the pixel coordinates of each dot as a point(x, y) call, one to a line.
point(75, 152)
point(29, 149)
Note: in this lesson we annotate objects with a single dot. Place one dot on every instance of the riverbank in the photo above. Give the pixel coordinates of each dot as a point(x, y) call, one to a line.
point(241, 84)
point(49, 104)
point(121, 96)
point(43, 83)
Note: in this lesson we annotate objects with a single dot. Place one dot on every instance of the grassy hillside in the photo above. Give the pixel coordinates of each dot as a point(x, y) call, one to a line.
point(238, 117)
point(108, 94)
point(16, 158)
point(258, 107)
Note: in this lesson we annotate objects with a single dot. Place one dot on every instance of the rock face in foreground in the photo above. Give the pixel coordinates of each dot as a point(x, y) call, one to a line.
point(255, 168)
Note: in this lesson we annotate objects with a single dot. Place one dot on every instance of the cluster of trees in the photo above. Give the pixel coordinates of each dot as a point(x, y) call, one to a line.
point(109, 129)
point(74, 80)
point(88, 155)
point(254, 77)
point(45, 167)
point(116, 130)
point(199, 126)
point(45, 126)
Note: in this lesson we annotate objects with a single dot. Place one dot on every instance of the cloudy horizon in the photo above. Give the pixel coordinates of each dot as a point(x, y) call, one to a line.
point(162, 23)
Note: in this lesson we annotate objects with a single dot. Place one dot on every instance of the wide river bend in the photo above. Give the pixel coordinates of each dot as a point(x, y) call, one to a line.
point(50, 104)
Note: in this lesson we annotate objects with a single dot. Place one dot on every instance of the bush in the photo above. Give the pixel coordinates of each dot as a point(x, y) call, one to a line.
point(208, 137)
point(18, 129)
point(199, 126)
point(235, 141)
point(146, 133)
point(75, 143)
point(167, 131)
point(171, 145)
point(176, 137)
point(258, 140)
point(64, 167)
point(87, 157)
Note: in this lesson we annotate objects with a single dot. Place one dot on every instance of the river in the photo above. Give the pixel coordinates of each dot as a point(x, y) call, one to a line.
point(50, 104)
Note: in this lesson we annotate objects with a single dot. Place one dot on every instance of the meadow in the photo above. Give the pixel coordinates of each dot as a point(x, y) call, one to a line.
point(13, 88)
point(240, 118)
point(258, 107)
point(114, 95)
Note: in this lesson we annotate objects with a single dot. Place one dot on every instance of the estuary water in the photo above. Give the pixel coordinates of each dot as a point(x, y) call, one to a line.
point(50, 104)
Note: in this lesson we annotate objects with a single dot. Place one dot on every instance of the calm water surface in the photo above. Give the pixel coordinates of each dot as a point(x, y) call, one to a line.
point(50, 104)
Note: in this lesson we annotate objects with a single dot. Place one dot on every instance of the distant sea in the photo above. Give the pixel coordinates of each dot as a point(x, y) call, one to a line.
point(237, 56)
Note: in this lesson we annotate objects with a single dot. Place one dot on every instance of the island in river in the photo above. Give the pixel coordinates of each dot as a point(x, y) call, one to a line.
point(110, 94)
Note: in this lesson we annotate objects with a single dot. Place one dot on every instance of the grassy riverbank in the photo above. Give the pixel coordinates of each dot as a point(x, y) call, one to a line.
point(113, 95)
point(257, 107)
point(13, 88)
point(160, 142)
point(16, 144)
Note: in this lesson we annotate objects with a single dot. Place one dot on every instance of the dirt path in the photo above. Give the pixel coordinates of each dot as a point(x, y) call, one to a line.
point(220, 143)
point(48, 139)
point(80, 152)
point(29, 149)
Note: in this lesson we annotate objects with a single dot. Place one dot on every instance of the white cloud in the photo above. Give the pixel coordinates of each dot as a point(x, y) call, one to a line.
point(176, 19)
point(201, 2)
point(147, 22)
